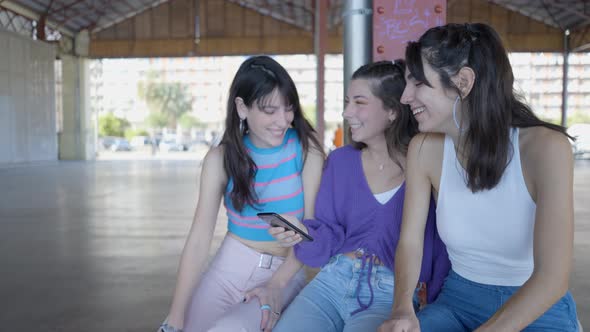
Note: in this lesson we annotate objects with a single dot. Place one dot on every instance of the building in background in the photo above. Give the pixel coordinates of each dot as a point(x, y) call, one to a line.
point(114, 85)
point(538, 78)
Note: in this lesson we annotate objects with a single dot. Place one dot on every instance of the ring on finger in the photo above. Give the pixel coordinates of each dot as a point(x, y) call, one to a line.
point(276, 313)
point(266, 307)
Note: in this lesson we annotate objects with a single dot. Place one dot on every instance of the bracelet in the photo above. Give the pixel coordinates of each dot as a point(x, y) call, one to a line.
point(168, 328)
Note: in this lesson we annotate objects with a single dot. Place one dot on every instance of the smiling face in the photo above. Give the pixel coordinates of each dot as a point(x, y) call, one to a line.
point(268, 119)
point(365, 113)
point(431, 106)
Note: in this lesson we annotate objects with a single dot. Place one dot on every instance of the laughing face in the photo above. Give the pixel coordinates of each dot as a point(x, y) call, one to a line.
point(365, 113)
point(268, 119)
point(431, 106)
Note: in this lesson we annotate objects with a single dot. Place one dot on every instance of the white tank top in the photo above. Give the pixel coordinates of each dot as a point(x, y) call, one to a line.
point(488, 234)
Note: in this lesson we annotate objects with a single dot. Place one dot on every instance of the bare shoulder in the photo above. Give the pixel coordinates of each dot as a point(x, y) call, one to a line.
point(214, 157)
point(314, 159)
point(213, 164)
point(544, 153)
point(543, 145)
point(426, 148)
point(424, 143)
point(313, 150)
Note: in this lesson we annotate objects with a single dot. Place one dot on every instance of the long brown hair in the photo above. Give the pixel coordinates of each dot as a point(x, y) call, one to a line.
point(493, 107)
point(256, 79)
point(387, 82)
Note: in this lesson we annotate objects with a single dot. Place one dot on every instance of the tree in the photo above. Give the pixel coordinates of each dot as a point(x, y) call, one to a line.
point(157, 120)
point(172, 99)
point(110, 125)
point(309, 113)
point(188, 121)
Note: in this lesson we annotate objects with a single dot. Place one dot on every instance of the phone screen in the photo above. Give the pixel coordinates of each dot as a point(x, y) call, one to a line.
point(276, 220)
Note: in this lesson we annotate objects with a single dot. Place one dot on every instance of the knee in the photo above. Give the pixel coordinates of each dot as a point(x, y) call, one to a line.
point(229, 325)
point(235, 324)
point(438, 318)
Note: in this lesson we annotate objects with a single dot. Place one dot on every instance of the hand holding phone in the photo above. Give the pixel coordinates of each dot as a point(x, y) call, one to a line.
point(275, 220)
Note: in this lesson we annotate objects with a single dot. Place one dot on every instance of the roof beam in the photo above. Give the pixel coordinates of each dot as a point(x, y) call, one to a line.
point(155, 3)
point(535, 15)
point(65, 7)
point(30, 14)
point(208, 46)
point(570, 10)
point(268, 11)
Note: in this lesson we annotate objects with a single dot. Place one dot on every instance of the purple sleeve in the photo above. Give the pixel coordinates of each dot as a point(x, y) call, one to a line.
point(325, 228)
point(439, 264)
point(440, 269)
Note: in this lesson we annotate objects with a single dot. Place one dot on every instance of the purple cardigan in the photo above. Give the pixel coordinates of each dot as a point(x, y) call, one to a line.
point(348, 217)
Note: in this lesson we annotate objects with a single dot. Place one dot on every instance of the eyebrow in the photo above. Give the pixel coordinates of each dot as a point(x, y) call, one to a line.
point(359, 96)
point(275, 106)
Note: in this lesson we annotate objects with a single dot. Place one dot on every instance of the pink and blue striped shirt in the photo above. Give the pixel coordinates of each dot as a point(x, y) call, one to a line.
point(278, 186)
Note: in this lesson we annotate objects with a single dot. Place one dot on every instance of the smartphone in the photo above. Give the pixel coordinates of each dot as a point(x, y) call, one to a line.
point(275, 220)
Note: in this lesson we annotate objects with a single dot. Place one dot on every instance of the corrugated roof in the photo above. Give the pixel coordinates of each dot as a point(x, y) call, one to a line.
point(562, 14)
point(77, 15)
point(95, 15)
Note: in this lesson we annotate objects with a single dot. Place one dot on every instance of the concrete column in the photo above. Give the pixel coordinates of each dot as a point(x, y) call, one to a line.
point(77, 139)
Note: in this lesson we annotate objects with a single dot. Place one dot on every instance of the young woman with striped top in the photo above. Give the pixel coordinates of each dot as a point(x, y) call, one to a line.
point(268, 160)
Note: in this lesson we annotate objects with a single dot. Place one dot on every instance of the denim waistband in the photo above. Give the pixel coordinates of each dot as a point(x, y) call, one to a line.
point(367, 262)
point(497, 288)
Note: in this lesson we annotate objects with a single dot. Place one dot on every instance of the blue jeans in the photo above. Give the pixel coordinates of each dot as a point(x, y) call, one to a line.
point(327, 302)
point(464, 305)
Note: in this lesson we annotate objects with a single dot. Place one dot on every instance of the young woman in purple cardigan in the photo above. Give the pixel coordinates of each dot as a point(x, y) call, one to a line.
point(358, 214)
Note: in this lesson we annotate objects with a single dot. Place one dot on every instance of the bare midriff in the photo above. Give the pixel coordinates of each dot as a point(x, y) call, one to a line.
point(267, 247)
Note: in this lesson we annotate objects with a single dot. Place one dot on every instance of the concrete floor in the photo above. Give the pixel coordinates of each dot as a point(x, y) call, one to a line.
point(94, 246)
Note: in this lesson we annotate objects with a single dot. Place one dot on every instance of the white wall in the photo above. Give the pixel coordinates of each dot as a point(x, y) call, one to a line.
point(27, 100)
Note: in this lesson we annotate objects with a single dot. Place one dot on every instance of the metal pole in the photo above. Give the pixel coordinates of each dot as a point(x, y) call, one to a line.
point(320, 41)
point(566, 53)
point(358, 39)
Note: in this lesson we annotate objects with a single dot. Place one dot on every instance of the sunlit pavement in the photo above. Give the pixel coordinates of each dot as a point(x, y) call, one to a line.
point(146, 154)
point(94, 246)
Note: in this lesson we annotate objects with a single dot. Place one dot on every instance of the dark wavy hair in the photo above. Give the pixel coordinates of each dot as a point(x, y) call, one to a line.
point(255, 80)
point(387, 82)
point(493, 107)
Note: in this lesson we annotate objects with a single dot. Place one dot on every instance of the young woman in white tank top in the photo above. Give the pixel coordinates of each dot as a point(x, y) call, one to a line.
point(504, 186)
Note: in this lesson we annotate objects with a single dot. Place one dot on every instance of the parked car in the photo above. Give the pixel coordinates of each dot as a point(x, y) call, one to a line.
point(140, 141)
point(171, 145)
point(581, 132)
point(121, 145)
point(106, 141)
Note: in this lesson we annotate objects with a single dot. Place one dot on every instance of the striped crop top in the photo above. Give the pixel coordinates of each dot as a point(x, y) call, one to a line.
point(278, 186)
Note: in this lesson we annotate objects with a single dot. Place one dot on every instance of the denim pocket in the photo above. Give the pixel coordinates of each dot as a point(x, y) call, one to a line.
point(331, 263)
point(385, 283)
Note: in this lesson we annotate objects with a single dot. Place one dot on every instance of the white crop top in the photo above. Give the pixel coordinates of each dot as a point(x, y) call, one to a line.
point(488, 234)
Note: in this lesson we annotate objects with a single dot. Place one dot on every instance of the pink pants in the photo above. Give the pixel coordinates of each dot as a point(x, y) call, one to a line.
point(217, 305)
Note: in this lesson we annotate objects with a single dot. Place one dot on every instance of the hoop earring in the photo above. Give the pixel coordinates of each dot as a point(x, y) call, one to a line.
point(455, 115)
